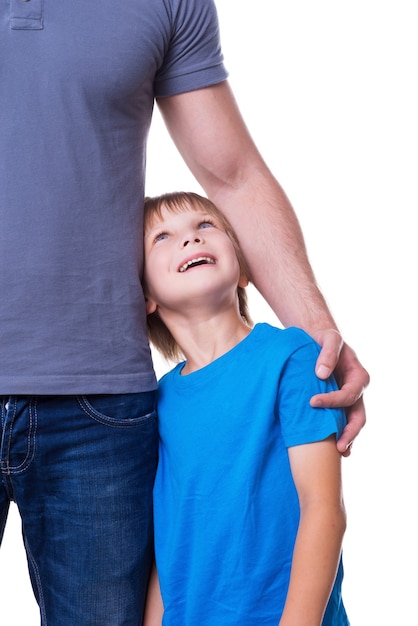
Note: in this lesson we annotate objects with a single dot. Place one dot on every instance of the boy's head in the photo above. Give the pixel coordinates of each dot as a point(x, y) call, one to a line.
point(178, 202)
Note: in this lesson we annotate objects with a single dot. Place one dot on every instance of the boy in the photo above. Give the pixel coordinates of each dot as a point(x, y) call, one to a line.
point(249, 515)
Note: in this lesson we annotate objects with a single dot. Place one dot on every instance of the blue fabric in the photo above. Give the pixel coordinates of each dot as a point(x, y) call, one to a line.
point(225, 505)
point(77, 86)
point(81, 471)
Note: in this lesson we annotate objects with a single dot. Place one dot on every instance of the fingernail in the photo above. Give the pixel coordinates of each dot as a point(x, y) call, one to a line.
point(323, 371)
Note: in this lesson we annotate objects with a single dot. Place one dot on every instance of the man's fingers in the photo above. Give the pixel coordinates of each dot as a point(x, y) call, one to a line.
point(331, 345)
point(347, 396)
point(356, 416)
point(336, 356)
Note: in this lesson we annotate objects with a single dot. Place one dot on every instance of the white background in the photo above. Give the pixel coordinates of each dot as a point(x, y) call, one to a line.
point(328, 90)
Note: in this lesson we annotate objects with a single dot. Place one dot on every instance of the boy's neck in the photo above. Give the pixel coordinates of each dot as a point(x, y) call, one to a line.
point(204, 340)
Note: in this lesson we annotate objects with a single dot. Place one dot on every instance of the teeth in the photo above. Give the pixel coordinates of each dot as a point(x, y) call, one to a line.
point(199, 261)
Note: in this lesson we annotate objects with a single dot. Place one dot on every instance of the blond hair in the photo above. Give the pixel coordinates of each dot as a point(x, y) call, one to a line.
point(176, 202)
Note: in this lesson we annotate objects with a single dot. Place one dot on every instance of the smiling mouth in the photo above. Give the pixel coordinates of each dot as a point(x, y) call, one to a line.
point(202, 260)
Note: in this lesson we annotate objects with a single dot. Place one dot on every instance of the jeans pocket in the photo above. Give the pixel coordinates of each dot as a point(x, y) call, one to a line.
point(127, 410)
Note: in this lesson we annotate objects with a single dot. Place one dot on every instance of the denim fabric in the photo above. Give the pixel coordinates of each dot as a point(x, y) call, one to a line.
point(81, 470)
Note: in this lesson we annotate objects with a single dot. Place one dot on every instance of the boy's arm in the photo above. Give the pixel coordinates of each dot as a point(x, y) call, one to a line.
point(154, 608)
point(316, 470)
point(209, 132)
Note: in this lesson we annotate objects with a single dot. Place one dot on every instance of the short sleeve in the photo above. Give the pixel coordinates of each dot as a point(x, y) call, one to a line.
point(194, 58)
point(300, 423)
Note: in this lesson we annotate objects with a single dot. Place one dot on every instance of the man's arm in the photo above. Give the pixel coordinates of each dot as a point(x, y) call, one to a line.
point(316, 470)
point(212, 137)
point(210, 134)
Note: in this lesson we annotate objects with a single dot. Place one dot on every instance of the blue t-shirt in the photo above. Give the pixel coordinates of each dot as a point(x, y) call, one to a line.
point(226, 507)
point(77, 86)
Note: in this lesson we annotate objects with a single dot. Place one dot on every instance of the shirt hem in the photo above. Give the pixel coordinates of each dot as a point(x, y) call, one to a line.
point(77, 385)
point(198, 79)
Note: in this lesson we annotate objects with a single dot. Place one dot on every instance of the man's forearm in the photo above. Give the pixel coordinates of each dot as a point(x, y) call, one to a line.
point(273, 244)
point(212, 137)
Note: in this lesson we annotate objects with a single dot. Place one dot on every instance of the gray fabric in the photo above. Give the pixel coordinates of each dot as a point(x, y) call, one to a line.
point(77, 87)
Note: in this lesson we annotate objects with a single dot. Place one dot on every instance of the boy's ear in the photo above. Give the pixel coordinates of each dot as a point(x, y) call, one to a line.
point(150, 305)
point(243, 281)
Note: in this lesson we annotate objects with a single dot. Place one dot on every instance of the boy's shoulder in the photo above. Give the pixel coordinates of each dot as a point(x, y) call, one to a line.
point(291, 338)
point(276, 346)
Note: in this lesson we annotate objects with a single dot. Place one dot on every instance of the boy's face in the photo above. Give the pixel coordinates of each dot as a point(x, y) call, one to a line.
point(189, 259)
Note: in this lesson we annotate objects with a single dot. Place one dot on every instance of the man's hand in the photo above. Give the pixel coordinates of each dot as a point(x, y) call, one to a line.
point(336, 356)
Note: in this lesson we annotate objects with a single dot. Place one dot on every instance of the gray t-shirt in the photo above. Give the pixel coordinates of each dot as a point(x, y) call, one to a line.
point(77, 86)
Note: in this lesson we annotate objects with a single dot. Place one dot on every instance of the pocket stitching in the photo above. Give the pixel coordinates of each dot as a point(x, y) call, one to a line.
point(111, 421)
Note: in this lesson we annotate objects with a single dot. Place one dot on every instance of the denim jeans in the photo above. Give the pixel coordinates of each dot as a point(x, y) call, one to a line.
point(81, 470)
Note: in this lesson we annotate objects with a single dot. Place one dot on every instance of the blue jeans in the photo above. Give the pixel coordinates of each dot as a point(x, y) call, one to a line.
point(81, 470)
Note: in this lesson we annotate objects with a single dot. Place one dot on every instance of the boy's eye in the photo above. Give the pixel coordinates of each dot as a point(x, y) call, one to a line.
point(206, 224)
point(160, 237)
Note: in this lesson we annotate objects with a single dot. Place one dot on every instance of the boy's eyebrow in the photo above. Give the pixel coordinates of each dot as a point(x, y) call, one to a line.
point(151, 227)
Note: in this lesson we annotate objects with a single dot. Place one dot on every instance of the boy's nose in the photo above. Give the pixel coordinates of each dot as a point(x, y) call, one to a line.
point(195, 239)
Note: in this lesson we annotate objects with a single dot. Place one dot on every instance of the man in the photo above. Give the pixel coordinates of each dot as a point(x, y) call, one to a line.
point(77, 86)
